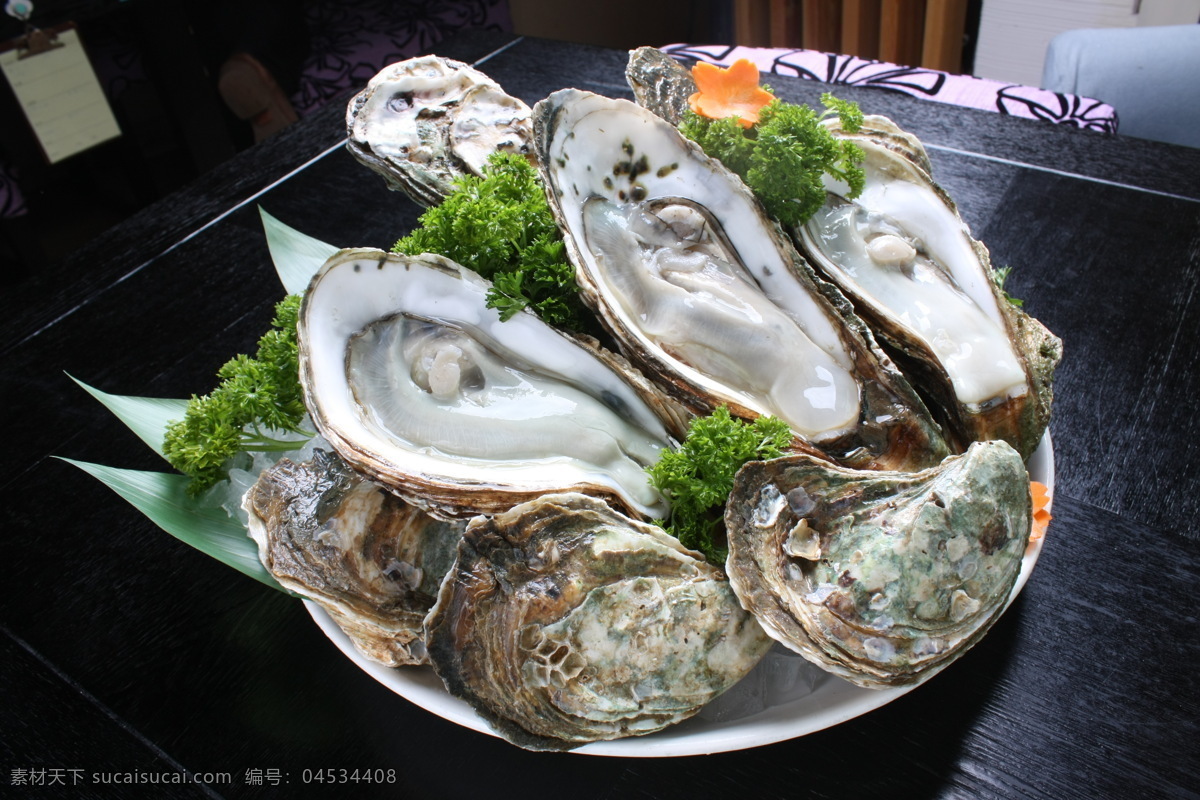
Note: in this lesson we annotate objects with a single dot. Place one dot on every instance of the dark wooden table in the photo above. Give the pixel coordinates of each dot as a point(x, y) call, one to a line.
point(125, 651)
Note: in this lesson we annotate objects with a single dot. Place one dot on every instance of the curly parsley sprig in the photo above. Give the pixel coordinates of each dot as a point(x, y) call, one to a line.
point(257, 399)
point(784, 155)
point(501, 227)
point(698, 477)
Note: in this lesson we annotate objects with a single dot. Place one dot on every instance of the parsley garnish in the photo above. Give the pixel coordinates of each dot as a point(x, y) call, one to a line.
point(783, 157)
point(698, 477)
point(256, 400)
point(501, 227)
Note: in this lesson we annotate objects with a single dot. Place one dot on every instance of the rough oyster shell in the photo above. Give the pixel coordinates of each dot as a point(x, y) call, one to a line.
point(425, 122)
point(370, 560)
point(563, 622)
point(708, 297)
point(881, 578)
point(906, 259)
point(660, 84)
point(416, 383)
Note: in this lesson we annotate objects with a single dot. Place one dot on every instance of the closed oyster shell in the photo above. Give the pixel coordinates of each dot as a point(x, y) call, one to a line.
point(660, 84)
point(708, 297)
point(373, 562)
point(564, 622)
point(881, 578)
point(424, 123)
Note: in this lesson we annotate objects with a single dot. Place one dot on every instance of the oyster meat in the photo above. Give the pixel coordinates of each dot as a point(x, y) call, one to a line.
point(425, 122)
point(904, 256)
point(563, 622)
point(418, 384)
point(881, 578)
point(373, 562)
point(708, 297)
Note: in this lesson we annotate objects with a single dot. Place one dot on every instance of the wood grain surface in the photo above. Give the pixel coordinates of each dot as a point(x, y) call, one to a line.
point(126, 651)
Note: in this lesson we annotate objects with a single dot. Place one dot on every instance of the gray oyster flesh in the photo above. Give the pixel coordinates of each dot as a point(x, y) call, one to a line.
point(370, 560)
point(563, 622)
point(881, 578)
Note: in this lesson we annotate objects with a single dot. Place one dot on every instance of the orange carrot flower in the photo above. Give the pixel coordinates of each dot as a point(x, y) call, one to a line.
point(1041, 512)
point(732, 92)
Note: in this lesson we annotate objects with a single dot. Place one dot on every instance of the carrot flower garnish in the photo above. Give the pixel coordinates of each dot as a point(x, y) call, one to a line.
point(1041, 513)
point(732, 92)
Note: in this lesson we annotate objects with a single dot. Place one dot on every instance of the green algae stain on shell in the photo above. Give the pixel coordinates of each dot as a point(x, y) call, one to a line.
point(881, 578)
point(564, 622)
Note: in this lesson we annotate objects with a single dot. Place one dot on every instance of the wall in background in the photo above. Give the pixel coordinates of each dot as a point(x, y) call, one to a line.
point(1014, 34)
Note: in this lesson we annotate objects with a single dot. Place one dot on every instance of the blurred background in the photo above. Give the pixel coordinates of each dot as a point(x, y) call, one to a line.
point(192, 83)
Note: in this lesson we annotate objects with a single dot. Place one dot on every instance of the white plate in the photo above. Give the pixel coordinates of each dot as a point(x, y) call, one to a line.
point(832, 700)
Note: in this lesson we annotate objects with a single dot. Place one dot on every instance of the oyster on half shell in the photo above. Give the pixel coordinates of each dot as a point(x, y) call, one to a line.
point(372, 561)
point(425, 122)
point(418, 384)
point(881, 578)
point(708, 297)
point(907, 260)
point(563, 622)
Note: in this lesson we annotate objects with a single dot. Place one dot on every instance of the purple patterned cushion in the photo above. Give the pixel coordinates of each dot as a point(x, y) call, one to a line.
point(352, 41)
point(930, 84)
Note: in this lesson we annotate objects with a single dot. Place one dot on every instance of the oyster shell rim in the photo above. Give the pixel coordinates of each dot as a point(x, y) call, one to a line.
point(833, 702)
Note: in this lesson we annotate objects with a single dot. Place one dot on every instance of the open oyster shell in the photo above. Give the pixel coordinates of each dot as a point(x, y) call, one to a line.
point(881, 578)
point(418, 384)
point(708, 297)
point(425, 122)
point(373, 562)
point(907, 260)
point(563, 622)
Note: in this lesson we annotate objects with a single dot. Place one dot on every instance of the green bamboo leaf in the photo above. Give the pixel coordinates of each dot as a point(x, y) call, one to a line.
point(148, 417)
point(162, 497)
point(297, 256)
